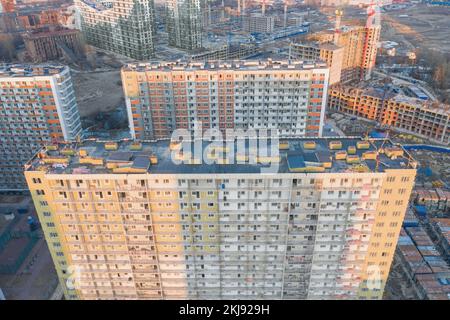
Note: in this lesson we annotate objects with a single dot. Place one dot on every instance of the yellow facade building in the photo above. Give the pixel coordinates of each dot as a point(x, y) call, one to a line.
point(317, 228)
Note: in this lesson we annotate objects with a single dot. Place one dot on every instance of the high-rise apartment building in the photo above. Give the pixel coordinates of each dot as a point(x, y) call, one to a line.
point(359, 43)
point(53, 43)
point(184, 24)
point(124, 221)
point(332, 54)
point(37, 106)
point(286, 95)
point(125, 27)
point(360, 48)
point(258, 23)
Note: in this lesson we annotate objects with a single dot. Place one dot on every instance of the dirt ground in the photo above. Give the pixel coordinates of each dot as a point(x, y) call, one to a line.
point(97, 91)
point(418, 26)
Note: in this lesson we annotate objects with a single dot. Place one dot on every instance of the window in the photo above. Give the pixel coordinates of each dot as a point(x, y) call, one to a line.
point(393, 224)
point(37, 180)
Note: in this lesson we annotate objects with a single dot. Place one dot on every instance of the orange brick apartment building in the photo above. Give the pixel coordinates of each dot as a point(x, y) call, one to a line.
point(429, 120)
point(288, 96)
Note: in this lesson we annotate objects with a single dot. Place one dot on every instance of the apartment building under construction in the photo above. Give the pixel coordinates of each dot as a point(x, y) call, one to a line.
point(330, 53)
point(37, 107)
point(124, 221)
point(53, 43)
point(430, 120)
point(184, 24)
point(286, 95)
point(258, 23)
point(125, 27)
point(227, 52)
point(349, 50)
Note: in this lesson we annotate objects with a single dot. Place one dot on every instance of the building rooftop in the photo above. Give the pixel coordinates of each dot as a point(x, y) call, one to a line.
point(443, 226)
point(268, 64)
point(24, 70)
point(318, 45)
point(97, 5)
point(423, 104)
point(436, 286)
point(295, 155)
point(49, 32)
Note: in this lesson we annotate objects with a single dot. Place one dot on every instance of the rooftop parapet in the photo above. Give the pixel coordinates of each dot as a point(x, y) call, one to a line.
point(24, 70)
point(268, 64)
point(162, 156)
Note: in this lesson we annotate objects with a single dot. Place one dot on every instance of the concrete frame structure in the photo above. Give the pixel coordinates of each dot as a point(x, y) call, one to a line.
point(227, 52)
point(426, 119)
point(360, 49)
point(47, 44)
point(258, 23)
point(125, 27)
point(283, 95)
point(328, 52)
point(184, 24)
point(137, 226)
point(37, 106)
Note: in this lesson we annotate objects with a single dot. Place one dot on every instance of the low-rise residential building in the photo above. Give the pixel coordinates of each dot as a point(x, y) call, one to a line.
point(423, 265)
point(430, 120)
point(432, 199)
point(440, 231)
